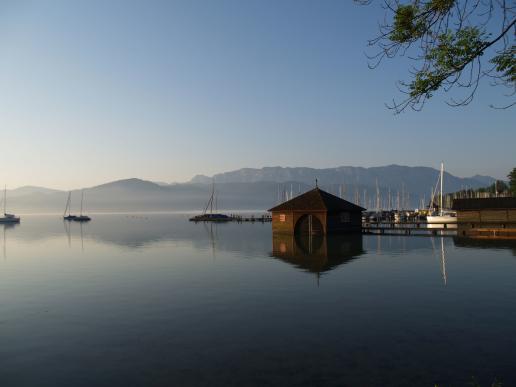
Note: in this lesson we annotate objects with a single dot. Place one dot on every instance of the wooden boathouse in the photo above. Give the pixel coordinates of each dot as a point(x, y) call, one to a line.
point(316, 212)
point(488, 217)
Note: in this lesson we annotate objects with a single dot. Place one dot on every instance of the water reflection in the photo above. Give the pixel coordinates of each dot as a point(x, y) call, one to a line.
point(438, 249)
point(68, 232)
point(485, 243)
point(5, 228)
point(145, 305)
point(317, 253)
point(144, 231)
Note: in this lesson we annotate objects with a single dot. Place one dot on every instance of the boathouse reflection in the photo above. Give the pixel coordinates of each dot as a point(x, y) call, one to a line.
point(316, 253)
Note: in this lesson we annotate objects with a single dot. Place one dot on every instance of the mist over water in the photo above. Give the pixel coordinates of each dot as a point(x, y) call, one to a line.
point(155, 300)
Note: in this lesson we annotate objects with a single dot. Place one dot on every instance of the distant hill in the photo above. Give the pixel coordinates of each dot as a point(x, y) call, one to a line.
point(257, 189)
point(30, 190)
point(417, 180)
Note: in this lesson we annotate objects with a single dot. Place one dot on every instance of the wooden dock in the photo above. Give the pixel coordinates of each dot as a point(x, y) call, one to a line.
point(408, 228)
point(252, 218)
point(490, 233)
point(233, 218)
point(429, 229)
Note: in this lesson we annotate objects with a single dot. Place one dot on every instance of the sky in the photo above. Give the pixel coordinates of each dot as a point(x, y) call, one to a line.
point(94, 91)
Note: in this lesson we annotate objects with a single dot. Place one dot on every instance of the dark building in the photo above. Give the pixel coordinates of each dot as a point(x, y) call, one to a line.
point(486, 217)
point(316, 212)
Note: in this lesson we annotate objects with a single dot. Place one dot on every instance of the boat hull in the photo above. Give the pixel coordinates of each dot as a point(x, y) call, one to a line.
point(81, 218)
point(9, 220)
point(211, 218)
point(441, 219)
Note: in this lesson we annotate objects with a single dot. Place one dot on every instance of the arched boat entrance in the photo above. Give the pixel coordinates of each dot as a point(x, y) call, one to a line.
point(309, 225)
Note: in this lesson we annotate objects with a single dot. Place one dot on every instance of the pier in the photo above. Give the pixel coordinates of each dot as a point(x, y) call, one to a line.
point(409, 228)
point(478, 231)
point(252, 218)
point(265, 218)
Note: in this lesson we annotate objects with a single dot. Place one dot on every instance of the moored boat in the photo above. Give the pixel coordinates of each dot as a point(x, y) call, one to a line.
point(69, 216)
point(81, 217)
point(8, 218)
point(442, 216)
point(211, 216)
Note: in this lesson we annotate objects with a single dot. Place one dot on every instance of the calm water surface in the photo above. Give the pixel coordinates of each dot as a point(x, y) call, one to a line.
point(153, 300)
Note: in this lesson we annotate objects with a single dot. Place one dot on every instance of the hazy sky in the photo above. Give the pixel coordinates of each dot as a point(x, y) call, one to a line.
point(92, 91)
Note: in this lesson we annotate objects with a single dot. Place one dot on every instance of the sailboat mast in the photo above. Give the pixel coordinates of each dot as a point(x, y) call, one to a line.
point(82, 198)
point(441, 197)
point(443, 262)
point(212, 194)
point(377, 197)
point(5, 199)
point(67, 205)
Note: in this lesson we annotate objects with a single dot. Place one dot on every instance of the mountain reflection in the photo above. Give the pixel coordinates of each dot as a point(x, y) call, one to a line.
point(143, 231)
point(317, 254)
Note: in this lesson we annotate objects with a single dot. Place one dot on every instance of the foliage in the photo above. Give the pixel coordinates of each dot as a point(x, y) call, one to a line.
point(512, 181)
point(498, 186)
point(453, 45)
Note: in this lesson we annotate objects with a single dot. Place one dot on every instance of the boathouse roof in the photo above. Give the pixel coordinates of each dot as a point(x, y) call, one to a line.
point(484, 204)
point(317, 200)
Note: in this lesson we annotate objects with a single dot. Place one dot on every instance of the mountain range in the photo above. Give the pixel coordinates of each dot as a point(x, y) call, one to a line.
point(246, 188)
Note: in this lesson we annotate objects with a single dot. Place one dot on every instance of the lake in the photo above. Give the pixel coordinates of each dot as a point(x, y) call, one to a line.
point(155, 300)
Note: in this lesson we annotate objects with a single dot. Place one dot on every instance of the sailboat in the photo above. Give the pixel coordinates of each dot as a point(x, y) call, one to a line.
point(8, 218)
point(443, 216)
point(81, 217)
point(68, 208)
point(211, 216)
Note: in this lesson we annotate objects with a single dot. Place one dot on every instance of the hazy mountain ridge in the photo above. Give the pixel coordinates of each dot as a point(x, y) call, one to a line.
point(392, 176)
point(247, 188)
point(30, 190)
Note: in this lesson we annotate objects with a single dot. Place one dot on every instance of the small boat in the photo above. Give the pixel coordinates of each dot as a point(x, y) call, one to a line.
point(81, 217)
point(8, 218)
point(211, 216)
point(443, 216)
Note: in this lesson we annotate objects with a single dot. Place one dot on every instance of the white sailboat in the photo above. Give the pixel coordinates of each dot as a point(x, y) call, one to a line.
point(443, 216)
point(8, 218)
